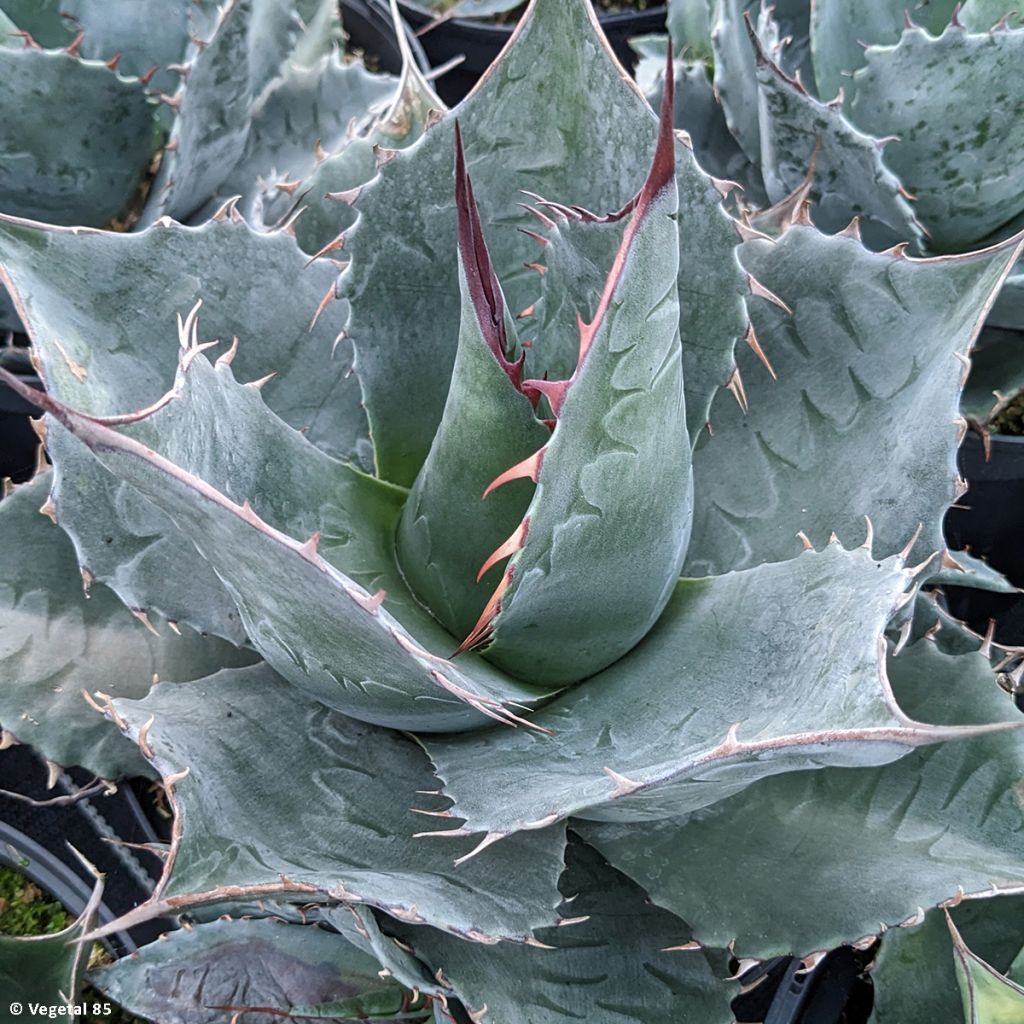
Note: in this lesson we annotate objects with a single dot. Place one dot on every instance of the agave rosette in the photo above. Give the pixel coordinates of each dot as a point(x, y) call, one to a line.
point(496, 653)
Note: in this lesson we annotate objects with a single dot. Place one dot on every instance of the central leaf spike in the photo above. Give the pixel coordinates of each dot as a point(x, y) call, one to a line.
point(446, 531)
point(595, 556)
point(481, 281)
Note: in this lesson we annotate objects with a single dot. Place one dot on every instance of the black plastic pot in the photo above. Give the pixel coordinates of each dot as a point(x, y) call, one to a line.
point(18, 441)
point(479, 41)
point(781, 991)
point(36, 840)
point(990, 525)
point(369, 27)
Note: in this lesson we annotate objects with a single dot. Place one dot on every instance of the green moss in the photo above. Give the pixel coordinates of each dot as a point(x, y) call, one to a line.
point(1011, 419)
point(26, 910)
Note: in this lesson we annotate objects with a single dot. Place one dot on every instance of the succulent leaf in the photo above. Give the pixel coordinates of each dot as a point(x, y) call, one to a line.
point(255, 47)
point(840, 31)
point(735, 79)
point(712, 285)
point(997, 373)
point(194, 973)
point(616, 466)
point(700, 115)
point(689, 28)
point(318, 102)
point(850, 179)
point(623, 961)
point(235, 834)
point(324, 526)
point(944, 817)
point(41, 19)
point(481, 8)
point(402, 281)
point(692, 736)
point(914, 976)
point(143, 34)
point(448, 528)
point(334, 186)
point(56, 641)
point(96, 305)
point(1008, 310)
point(988, 996)
point(848, 389)
point(982, 15)
point(76, 138)
point(964, 175)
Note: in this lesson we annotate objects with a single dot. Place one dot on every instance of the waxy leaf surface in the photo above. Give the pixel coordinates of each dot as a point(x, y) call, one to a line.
point(340, 629)
point(960, 127)
point(185, 978)
point(100, 309)
point(869, 376)
point(55, 642)
point(347, 832)
point(76, 139)
point(614, 967)
point(863, 846)
point(804, 633)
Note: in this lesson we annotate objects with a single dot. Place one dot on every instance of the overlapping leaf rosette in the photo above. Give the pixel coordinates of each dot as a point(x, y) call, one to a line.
point(573, 643)
point(898, 121)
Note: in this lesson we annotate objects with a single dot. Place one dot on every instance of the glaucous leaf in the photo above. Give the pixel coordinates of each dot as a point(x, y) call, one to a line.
point(960, 132)
point(56, 641)
point(100, 308)
point(691, 734)
point(76, 138)
point(870, 361)
point(195, 974)
point(243, 831)
point(617, 960)
point(861, 846)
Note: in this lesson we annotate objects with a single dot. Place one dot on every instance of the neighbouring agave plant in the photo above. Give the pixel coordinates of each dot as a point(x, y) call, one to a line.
point(120, 113)
point(576, 646)
point(902, 122)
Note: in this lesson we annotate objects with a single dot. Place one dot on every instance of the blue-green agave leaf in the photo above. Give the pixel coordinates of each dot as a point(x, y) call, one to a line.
point(346, 631)
point(959, 126)
point(448, 530)
point(49, 970)
point(616, 960)
point(97, 306)
point(225, 109)
point(57, 640)
point(988, 996)
point(554, 115)
point(348, 832)
point(870, 361)
point(616, 466)
point(804, 634)
point(914, 977)
point(865, 847)
point(200, 975)
point(801, 136)
point(76, 138)
point(840, 30)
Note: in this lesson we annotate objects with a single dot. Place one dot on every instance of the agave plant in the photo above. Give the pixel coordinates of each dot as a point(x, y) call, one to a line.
point(121, 113)
point(902, 119)
point(575, 648)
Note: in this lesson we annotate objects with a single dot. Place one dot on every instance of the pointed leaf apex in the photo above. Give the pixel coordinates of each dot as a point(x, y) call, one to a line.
point(484, 289)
